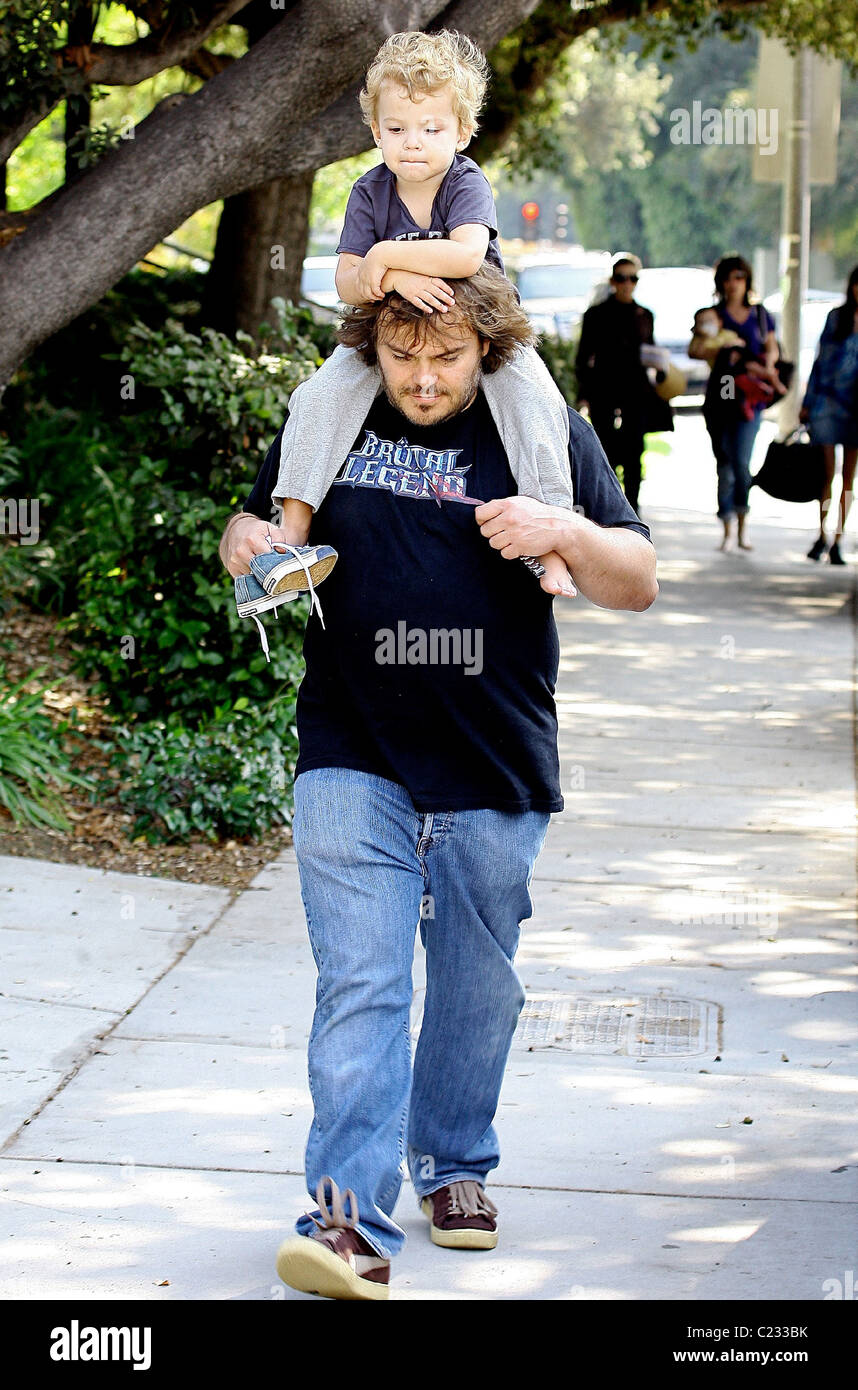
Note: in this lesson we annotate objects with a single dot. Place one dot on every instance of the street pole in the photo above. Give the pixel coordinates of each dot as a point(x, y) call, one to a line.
point(795, 238)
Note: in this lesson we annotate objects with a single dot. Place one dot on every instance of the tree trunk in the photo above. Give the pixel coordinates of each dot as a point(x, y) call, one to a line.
point(262, 233)
point(261, 243)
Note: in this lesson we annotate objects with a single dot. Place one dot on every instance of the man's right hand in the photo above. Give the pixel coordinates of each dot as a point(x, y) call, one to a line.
point(244, 537)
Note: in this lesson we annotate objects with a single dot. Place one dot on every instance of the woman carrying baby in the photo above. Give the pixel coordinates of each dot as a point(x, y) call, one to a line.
point(737, 339)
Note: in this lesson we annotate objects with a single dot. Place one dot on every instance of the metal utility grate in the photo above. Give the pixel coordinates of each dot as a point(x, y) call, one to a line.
point(651, 1025)
point(647, 1026)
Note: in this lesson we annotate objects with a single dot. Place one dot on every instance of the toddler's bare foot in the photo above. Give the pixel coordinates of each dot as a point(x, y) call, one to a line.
point(556, 579)
point(293, 535)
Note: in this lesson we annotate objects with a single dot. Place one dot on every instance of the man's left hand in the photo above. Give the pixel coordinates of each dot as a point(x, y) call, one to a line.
point(519, 526)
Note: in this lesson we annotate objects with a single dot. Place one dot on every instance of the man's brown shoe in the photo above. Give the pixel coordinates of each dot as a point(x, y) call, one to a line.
point(334, 1261)
point(462, 1217)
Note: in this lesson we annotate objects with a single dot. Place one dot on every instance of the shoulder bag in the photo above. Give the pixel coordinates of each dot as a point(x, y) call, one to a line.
point(793, 469)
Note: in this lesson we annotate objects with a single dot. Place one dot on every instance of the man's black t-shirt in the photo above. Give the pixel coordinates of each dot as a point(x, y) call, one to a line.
point(437, 663)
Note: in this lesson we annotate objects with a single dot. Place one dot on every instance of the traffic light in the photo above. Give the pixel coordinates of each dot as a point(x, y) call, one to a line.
point(530, 220)
point(561, 222)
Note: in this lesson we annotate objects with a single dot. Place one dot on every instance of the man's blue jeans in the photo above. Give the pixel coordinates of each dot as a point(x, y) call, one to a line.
point(371, 867)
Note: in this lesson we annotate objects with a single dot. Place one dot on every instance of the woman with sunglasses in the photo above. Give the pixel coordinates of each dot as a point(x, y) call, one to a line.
point(613, 386)
point(744, 349)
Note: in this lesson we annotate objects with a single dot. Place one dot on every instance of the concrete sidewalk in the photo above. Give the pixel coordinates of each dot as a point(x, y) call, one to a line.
point(677, 1120)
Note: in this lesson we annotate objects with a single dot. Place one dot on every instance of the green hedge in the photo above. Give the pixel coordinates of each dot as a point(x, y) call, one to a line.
point(231, 776)
point(559, 354)
point(140, 433)
point(35, 767)
point(136, 481)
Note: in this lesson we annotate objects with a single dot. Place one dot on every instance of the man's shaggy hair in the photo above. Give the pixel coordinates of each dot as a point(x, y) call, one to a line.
point(486, 302)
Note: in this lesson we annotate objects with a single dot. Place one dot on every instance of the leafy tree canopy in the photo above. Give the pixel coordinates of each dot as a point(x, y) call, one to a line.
point(271, 95)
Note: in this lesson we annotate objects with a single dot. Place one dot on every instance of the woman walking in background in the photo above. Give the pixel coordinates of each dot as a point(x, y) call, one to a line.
point(613, 386)
point(830, 410)
point(737, 339)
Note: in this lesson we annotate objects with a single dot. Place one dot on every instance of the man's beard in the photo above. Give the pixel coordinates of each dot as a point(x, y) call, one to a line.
point(455, 402)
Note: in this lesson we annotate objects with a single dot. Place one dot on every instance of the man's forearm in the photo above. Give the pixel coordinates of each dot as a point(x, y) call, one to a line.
point(612, 566)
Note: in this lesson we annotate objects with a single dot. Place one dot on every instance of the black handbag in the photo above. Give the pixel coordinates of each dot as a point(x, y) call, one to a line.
point(657, 413)
point(793, 470)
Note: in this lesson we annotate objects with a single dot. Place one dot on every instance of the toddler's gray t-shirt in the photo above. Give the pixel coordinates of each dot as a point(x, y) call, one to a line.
point(375, 211)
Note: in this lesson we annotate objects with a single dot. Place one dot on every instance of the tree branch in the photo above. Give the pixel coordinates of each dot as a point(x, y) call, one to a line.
point(205, 64)
point(11, 137)
point(124, 65)
point(546, 36)
point(548, 28)
point(209, 146)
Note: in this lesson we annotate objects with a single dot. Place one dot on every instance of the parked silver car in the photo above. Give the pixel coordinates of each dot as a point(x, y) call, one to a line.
point(318, 286)
point(556, 287)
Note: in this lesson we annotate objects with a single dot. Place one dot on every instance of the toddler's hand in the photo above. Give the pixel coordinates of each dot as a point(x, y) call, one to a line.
point(370, 275)
point(425, 292)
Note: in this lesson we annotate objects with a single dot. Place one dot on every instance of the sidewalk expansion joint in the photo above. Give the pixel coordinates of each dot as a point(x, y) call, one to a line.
point(209, 1040)
point(799, 832)
point(606, 742)
point(616, 880)
point(494, 1186)
point(61, 1003)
